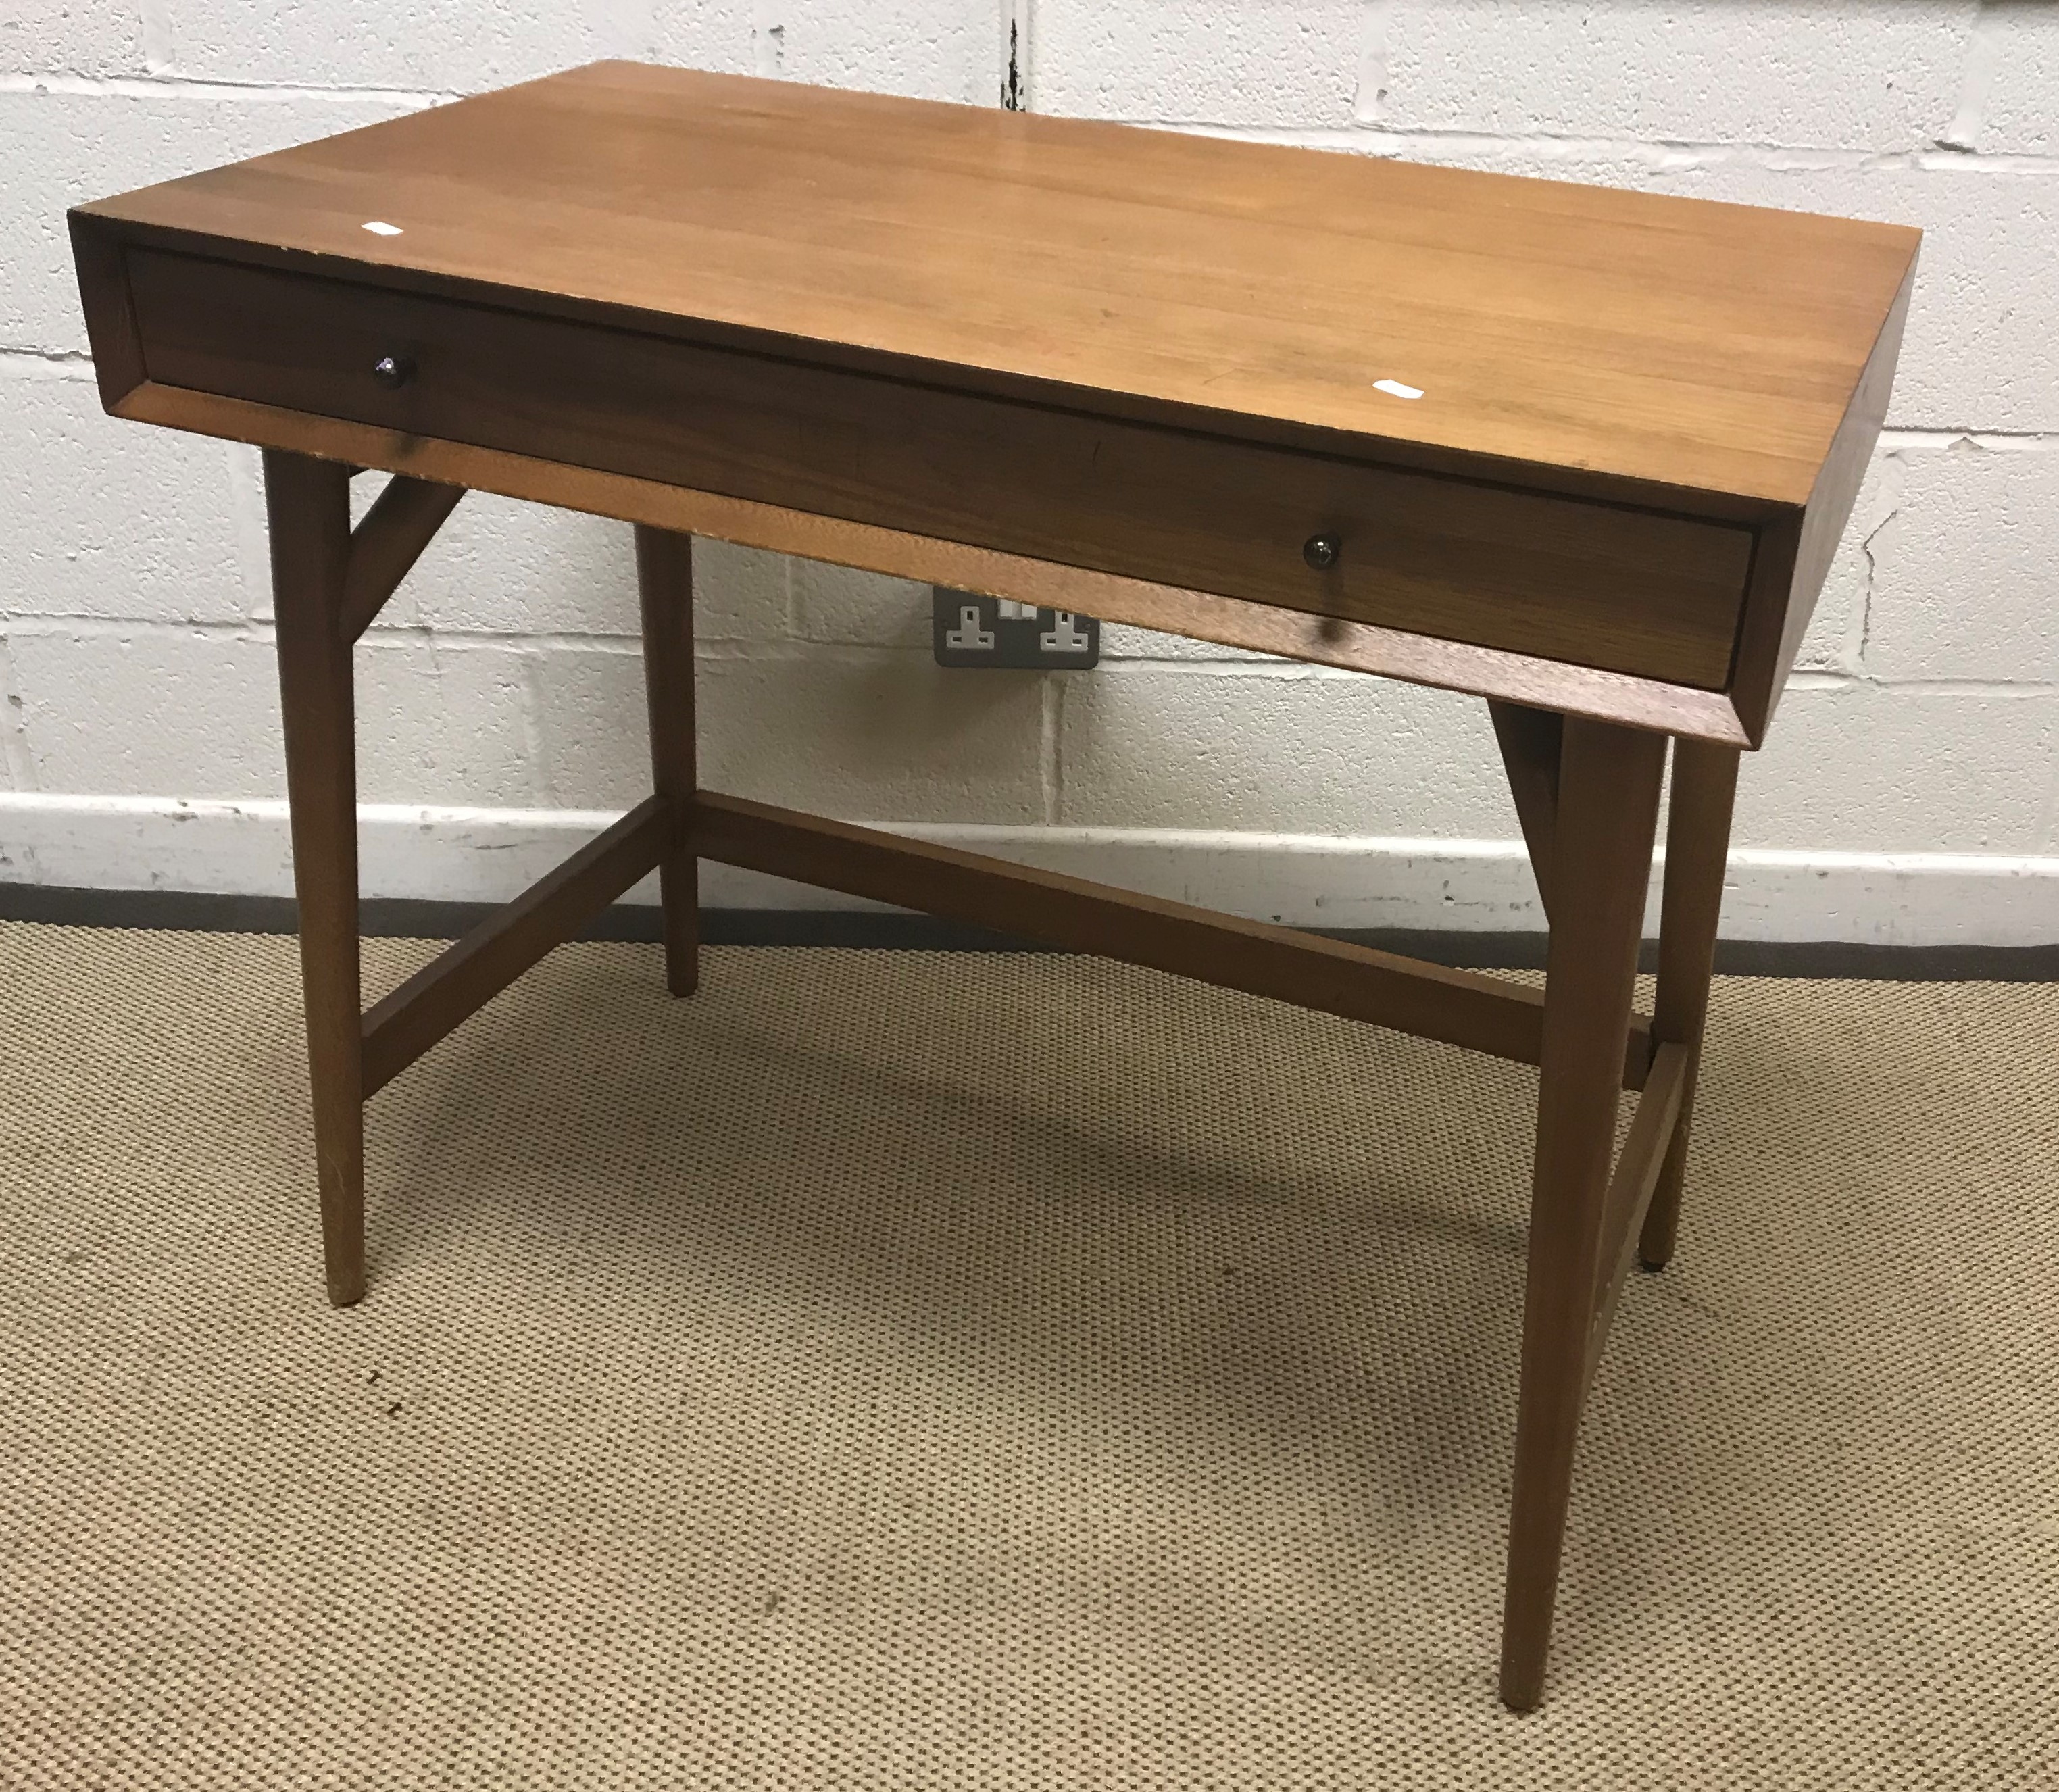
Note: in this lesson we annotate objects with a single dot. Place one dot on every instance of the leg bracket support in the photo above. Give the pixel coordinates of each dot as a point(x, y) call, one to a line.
point(402, 1026)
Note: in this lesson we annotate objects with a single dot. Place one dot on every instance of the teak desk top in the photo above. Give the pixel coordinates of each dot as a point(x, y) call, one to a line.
point(975, 315)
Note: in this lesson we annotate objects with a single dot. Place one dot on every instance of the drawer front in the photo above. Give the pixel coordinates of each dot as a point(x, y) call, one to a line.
point(1624, 589)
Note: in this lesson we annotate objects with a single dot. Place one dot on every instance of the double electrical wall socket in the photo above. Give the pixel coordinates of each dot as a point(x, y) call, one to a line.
point(968, 630)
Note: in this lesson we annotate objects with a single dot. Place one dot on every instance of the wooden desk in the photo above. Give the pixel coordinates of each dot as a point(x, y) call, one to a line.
point(1585, 453)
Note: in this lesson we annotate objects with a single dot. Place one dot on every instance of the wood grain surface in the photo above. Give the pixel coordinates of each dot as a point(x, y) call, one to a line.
point(1531, 740)
point(1607, 811)
point(1467, 1008)
point(1628, 340)
point(1626, 1210)
point(396, 531)
point(665, 599)
point(1599, 584)
point(1795, 552)
point(1698, 841)
point(470, 972)
point(1560, 685)
point(308, 507)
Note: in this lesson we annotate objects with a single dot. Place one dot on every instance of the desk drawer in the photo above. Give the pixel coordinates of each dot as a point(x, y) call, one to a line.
point(1625, 590)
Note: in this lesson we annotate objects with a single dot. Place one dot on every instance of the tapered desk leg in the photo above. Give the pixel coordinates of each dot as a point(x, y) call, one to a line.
point(309, 503)
point(1698, 843)
point(1608, 808)
point(665, 584)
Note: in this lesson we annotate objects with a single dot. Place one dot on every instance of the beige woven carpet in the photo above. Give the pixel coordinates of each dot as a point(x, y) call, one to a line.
point(937, 1370)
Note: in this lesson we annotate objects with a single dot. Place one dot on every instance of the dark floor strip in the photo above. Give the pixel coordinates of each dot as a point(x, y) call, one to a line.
point(399, 918)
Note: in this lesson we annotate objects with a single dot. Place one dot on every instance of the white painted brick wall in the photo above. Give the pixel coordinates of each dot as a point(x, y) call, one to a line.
point(71, 36)
point(1269, 64)
point(1855, 767)
point(2012, 73)
point(135, 667)
point(1877, 74)
point(148, 533)
point(1950, 601)
point(1303, 750)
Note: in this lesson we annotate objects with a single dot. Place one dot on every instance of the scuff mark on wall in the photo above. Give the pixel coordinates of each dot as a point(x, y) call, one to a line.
point(1976, 83)
point(768, 40)
point(157, 53)
point(623, 27)
point(1894, 480)
point(1014, 46)
point(15, 758)
point(1370, 104)
point(1011, 86)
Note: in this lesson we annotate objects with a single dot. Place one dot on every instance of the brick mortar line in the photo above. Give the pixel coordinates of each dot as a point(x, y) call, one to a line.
point(154, 86)
point(2010, 441)
point(1811, 679)
point(1682, 152)
point(75, 365)
point(1937, 155)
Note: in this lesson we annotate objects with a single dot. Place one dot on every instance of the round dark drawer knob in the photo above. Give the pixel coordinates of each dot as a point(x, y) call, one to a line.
point(1322, 551)
point(393, 372)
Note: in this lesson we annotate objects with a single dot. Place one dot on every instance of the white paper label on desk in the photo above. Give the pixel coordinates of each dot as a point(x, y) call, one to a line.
point(379, 229)
point(1394, 387)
